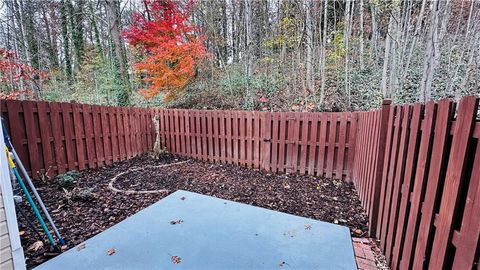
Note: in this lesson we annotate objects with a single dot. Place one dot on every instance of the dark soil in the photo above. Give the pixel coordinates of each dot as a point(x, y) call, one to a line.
point(80, 218)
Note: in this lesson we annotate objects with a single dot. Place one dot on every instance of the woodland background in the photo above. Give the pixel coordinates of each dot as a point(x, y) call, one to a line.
point(281, 55)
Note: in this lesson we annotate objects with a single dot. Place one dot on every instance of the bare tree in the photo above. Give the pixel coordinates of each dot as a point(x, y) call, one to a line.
point(114, 30)
point(309, 56)
point(431, 53)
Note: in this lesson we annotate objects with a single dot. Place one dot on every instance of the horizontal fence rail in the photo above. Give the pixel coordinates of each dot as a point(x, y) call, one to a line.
point(429, 186)
point(52, 138)
point(321, 144)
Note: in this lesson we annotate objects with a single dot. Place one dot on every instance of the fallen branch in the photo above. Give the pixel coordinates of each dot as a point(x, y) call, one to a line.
point(111, 187)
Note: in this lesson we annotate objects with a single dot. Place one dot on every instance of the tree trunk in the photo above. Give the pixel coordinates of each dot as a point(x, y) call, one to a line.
point(374, 38)
point(114, 30)
point(309, 57)
point(431, 54)
point(324, 52)
point(51, 48)
point(66, 40)
point(386, 60)
point(361, 35)
point(347, 32)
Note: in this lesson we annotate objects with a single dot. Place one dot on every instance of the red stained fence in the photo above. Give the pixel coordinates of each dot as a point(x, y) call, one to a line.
point(368, 165)
point(427, 196)
point(307, 143)
point(416, 167)
point(52, 138)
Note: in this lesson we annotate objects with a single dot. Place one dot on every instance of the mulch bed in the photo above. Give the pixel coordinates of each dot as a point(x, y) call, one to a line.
point(78, 220)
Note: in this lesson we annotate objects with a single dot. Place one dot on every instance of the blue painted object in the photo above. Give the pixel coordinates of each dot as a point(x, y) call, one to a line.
point(214, 234)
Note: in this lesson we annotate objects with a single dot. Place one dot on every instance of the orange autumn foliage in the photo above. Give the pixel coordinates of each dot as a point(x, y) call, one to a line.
point(169, 46)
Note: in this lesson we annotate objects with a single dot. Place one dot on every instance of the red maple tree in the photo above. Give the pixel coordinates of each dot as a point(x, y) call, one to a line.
point(170, 47)
point(13, 72)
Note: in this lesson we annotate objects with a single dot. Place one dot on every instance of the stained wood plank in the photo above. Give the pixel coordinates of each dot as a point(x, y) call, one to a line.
point(205, 142)
point(294, 128)
point(304, 143)
point(342, 145)
point(314, 117)
point(44, 121)
point(78, 131)
point(222, 136)
point(31, 132)
point(211, 139)
point(192, 134)
point(229, 151)
point(120, 134)
point(389, 178)
point(215, 136)
point(181, 121)
point(398, 181)
point(266, 153)
point(68, 127)
point(88, 125)
point(58, 142)
point(249, 137)
point(390, 132)
point(352, 146)
point(126, 126)
point(17, 130)
point(198, 133)
point(97, 130)
point(405, 187)
point(331, 144)
point(113, 133)
point(468, 237)
point(322, 144)
point(467, 113)
point(282, 142)
point(443, 118)
point(275, 138)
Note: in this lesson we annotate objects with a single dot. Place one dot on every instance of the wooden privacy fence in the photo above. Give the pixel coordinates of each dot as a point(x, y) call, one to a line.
point(52, 138)
point(416, 167)
point(315, 143)
point(368, 165)
point(427, 196)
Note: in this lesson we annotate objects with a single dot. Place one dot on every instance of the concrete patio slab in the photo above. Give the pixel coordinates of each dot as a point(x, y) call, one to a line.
point(192, 231)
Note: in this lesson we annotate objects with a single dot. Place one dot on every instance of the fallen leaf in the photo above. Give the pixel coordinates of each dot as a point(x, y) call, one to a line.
point(81, 246)
point(308, 227)
point(111, 251)
point(182, 198)
point(35, 246)
point(176, 259)
point(21, 233)
point(358, 232)
point(263, 99)
point(175, 222)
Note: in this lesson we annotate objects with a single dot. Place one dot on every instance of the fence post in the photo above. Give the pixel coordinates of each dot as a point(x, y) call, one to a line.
point(266, 141)
point(382, 141)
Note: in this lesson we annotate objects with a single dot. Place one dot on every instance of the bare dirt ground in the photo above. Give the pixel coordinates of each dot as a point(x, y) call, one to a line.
point(89, 206)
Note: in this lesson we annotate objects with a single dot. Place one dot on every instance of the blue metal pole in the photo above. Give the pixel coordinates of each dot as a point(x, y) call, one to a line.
point(29, 199)
point(17, 160)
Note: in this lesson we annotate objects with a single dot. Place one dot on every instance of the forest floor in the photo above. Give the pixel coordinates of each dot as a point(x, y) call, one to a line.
point(98, 207)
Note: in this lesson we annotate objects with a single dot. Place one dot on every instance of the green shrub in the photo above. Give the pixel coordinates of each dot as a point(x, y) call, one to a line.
point(83, 194)
point(67, 179)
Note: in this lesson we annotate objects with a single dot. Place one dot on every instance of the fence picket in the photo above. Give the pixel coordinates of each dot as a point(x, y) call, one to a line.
point(464, 126)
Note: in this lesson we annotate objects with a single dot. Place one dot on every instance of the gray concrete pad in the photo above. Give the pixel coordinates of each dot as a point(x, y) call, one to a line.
point(192, 231)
